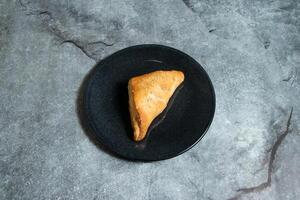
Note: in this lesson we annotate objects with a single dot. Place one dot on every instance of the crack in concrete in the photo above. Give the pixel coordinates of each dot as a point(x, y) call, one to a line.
point(81, 47)
point(274, 149)
point(101, 42)
point(193, 184)
point(288, 78)
point(187, 3)
point(22, 4)
point(291, 77)
point(57, 29)
point(153, 176)
point(190, 6)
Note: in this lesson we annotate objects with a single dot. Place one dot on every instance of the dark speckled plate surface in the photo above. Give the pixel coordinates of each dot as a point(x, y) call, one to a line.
point(186, 121)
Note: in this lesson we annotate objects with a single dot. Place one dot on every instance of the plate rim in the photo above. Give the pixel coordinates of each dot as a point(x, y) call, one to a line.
point(88, 118)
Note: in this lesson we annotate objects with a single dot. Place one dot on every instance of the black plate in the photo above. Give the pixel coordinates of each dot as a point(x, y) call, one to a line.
point(106, 103)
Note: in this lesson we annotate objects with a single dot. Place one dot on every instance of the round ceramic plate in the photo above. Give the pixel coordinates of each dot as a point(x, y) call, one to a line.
point(184, 124)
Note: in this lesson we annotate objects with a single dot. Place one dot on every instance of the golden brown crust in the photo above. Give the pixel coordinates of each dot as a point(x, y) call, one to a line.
point(149, 95)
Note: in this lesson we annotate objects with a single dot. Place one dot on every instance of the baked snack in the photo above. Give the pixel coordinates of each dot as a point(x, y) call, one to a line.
point(149, 95)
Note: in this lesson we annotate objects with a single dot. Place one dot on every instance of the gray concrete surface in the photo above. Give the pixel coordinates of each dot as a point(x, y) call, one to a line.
point(251, 50)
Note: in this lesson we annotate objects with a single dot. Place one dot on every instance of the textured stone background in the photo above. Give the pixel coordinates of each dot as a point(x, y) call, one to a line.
point(251, 50)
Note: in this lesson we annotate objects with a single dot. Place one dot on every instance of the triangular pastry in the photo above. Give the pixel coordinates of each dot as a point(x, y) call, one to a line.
point(149, 95)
